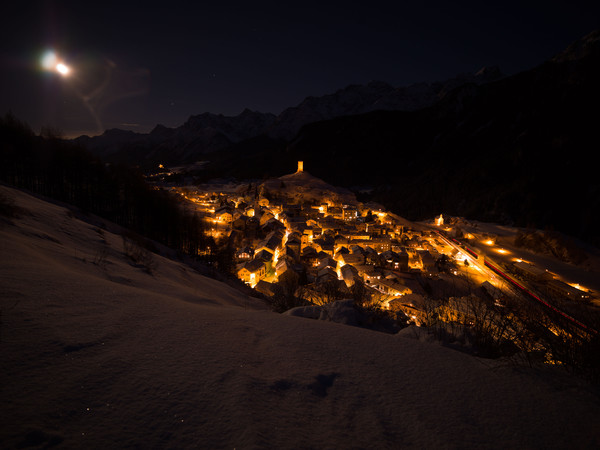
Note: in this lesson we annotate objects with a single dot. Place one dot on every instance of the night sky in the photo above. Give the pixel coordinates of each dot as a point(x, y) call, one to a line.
point(136, 64)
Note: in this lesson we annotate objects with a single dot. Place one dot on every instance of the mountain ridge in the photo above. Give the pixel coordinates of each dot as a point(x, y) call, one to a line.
point(376, 95)
point(207, 132)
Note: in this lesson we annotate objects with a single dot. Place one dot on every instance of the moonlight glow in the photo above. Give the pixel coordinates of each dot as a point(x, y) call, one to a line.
point(51, 63)
point(62, 69)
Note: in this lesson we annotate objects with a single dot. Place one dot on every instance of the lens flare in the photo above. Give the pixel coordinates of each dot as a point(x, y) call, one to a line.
point(49, 60)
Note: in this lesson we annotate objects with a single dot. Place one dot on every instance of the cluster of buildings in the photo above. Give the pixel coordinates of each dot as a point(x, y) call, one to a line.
point(318, 240)
point(297, 228)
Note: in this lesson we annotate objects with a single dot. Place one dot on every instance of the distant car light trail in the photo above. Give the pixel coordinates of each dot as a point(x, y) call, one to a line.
point(507, 277)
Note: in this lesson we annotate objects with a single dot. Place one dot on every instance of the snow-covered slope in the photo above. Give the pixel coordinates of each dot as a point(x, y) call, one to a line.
point(97, 353)
point(305, 187)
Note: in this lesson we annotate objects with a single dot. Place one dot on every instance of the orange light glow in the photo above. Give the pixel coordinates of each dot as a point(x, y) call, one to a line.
point(578, 286)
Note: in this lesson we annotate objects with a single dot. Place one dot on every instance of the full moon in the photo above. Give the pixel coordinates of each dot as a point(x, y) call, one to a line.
point(51, 63)
point(62, 69)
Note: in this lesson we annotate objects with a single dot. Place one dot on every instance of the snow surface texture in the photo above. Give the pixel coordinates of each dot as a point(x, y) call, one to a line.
point(97, 353)
point(305, 187)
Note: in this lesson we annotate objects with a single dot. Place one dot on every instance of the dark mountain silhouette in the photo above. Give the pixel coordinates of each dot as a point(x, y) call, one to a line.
point(375, 96)
point(207, 133)
point(200, 134)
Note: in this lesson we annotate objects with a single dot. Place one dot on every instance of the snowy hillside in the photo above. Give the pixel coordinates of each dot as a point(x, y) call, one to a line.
point(303, 186)
point(99, 352)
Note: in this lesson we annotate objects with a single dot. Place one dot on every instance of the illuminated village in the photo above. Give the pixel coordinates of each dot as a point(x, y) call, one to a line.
point(298, 227)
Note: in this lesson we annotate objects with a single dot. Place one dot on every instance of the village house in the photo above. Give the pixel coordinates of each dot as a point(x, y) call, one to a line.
point(394, 260)
point(413, 242)
point(272, 225)
point(297, 224)
point(240, 223)
point(305, 239)
point(339, 252)
point(381, 243)
point(389, 287)
point(327, 262)
point(265, 288)
point(265, 217)
point(413, 306)
point(272, 242)
point(368, 273)
point(293, 245)
point(371, 256)
point(252, 227)
point(326, 274)
point(252, 271)
point(309, 256)
point(532, 272)
point(324, 245)
point(292, 210)
point(350, 275)
point(427, 261)
point(282, 265)
point(352, 258)
point(562, 289)
point(223, 214)
point(336, 212)
point(330, 224)
point(359, 235)
point(349, 213)
point(244, 254)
